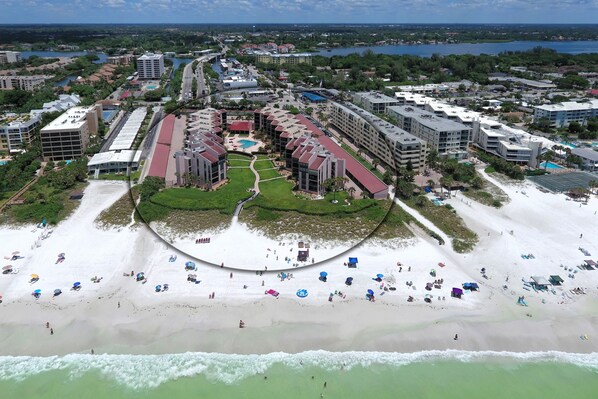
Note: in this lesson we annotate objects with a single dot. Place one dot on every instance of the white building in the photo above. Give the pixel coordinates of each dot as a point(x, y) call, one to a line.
point(124, 161)
point(239, 82)
point(589, 158)
point(562, 114)
point(374, 102)
point(389, 143)
point(16, 131)
point(150, 66)
point(449, 138)
point(64, 102)
point(9, 57)
point(29, 83)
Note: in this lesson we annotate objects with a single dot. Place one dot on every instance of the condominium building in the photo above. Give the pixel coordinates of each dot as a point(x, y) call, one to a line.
point(64, 102)
point(311, 156)
point(450, 139)
point(561, 114)
point(29, 83)
point(374, 102)
point(392, 145)
point(9, 57)
point(202, 162)
point(494, 138)
point(150, 66)
point(207, 120)
point(67, 136)
point(17, 131)
point(120, 59)
point(281, 59)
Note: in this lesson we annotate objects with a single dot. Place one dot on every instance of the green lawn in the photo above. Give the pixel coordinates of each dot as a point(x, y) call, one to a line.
point(238, 162)
point(239, 156)
point(268, 174)
point(259, 165)
point(262, 157)
point(223, 199)
point(278, 195)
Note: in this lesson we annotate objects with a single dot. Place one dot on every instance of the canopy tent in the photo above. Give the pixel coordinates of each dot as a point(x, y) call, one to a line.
point(540, 281)
point(456, 292)
point(349, 281)
point(556, 280)
point(471, 286)
point(352, 262)
point(57, 292)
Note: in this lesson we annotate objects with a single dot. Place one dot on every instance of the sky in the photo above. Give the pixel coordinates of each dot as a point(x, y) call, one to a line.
point(298, 11)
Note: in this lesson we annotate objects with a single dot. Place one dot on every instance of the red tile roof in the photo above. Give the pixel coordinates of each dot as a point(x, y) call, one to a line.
point(316, 163)
point(357, 170)
point(159, 161)
point(166, 130)
point(242, 126)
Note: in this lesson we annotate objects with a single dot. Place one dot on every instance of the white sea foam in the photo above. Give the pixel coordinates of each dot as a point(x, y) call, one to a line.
point(149, 371)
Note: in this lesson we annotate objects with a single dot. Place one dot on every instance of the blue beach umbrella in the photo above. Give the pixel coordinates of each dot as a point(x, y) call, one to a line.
point(370, 292)
point(323, 274)
point(379, 275)
point(302, 293)
point(37, 291)
point(77, 284)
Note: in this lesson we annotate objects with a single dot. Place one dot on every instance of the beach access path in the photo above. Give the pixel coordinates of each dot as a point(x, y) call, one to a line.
point(424, 221)
point(178, 138)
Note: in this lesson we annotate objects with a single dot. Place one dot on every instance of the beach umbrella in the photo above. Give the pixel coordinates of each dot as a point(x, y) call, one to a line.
point(77, 284)
point(34, 276)
point(16, 253)
point(158, 287)
point(370, 292)
point(190, 264)
point(57, 292)
point(379, 275)
point(38, 291)
point(61, 255)
point(302, 293)
point(323, 274)
point(7, 267)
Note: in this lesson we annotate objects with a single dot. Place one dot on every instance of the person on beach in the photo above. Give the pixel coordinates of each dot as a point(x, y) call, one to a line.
point(119, 304)
point(456, 337)
point(51, 331)
point(47, 324)
point(325, 383)
point(92, 352)
point(231, 274)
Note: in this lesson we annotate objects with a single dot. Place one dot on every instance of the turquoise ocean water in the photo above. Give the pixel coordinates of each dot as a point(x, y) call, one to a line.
point(434, 374)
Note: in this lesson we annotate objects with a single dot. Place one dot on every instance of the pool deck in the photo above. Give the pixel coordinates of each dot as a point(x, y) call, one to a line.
point(233, 142)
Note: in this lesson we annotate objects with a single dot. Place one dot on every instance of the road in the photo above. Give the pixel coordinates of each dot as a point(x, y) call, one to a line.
point(189, 74)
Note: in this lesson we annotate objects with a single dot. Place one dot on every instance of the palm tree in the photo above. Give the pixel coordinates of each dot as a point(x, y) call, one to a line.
point(448, 182)
point(420, 201)
point(546, 157)
point(351, 191)
point(431, 184)
point(592, 184)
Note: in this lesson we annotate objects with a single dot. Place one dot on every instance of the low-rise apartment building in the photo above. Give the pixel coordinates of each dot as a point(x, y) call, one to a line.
point(202, 162)
point(9, 57)
point(562, 114)
point(17, 131)
point(392, 145)
point(281, 59)
point(311, 156)
point(589, 158)
point(374, 102)
point(450, 139)
point(29, 83)
point(67, 136)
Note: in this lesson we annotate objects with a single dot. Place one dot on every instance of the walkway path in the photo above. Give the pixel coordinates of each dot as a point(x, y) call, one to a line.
point(256, 189)
point(424, 221)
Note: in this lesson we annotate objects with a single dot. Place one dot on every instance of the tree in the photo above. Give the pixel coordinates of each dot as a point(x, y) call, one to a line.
point(477, 182)
point(431, 184)
point(546, 157)
point(375, 163)
point(420, 201)
point(432, 159)
point(387, 177)
point(447, 181)
point(351, 191)
point(575, 127)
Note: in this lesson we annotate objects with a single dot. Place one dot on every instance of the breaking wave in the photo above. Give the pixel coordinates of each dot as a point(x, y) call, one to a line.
point(150, 371)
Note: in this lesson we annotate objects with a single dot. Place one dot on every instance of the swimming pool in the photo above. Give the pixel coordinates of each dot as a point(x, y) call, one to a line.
point(3, 163)
point(151, 87)
point(109, 114)
point(550, 165)
point(247, 143)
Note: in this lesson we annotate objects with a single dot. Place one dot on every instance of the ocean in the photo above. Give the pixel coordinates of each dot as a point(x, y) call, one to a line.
point(315, 374)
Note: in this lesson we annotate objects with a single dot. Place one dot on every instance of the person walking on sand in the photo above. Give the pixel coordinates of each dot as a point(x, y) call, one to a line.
point(325, 383)
point(92, 352)
point(119, 304)
point(47, 324)
point(456, 337)
point(51, 331)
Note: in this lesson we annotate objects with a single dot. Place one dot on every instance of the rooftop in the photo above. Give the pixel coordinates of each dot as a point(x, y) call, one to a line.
point(150, 56)
point(570, 106)
point(374, 97)
point(428, 119)
point(125, 156)
point(73, 118)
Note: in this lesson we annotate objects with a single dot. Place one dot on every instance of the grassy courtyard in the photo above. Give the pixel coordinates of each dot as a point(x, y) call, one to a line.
point(223, 199)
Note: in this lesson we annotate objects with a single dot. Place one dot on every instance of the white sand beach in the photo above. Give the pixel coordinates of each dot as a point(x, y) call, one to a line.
point(121, 315)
